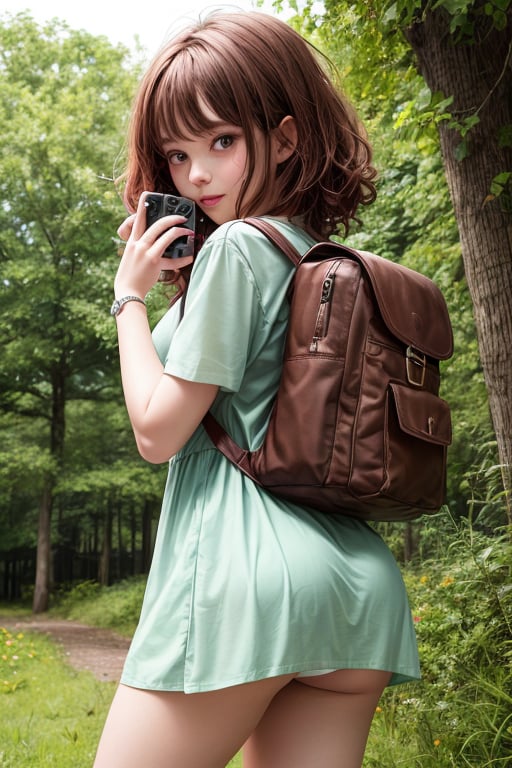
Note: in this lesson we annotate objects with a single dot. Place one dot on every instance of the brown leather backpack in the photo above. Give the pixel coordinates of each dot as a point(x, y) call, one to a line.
point(357, 427)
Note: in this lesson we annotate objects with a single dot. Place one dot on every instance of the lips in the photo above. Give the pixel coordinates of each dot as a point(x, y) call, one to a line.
point(211, 200)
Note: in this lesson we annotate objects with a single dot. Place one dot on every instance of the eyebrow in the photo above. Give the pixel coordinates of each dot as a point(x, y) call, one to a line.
point(212, 128)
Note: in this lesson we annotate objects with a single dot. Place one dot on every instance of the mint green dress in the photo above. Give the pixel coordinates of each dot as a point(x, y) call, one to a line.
point(245, 586)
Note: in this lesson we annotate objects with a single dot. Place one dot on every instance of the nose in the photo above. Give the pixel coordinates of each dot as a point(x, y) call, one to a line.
point(199, 173)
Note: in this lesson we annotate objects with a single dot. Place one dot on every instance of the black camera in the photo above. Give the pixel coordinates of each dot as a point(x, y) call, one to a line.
point(158, 205)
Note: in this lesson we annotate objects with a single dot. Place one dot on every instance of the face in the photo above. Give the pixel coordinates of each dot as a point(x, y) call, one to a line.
point(210, 169)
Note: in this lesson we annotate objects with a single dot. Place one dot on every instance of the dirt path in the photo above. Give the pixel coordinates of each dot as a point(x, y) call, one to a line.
point(99, 651)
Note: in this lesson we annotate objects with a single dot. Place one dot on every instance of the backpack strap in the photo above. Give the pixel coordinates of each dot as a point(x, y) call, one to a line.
point(275, 237)
point(217, 434)
point(226, 445)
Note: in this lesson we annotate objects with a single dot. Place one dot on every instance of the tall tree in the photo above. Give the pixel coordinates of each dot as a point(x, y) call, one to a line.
point(64, 96)
point(464, 53)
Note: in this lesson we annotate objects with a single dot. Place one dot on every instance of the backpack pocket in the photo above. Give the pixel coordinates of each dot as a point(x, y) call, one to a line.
point(402, 462)
point(422, 414)
point(418, 433)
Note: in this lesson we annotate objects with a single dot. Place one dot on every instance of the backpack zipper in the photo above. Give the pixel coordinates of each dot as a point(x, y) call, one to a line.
point(323, 314)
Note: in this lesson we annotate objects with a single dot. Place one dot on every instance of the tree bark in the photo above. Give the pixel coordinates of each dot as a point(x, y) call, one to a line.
point(120, 573)
point(42, 583)
point(106, 549)
point(57, 432)
point(409, 542)
point(133, 541)
point(147, 536)
point(478, 75)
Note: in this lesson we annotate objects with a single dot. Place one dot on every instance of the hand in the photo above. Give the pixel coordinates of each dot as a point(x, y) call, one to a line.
point(142, 260)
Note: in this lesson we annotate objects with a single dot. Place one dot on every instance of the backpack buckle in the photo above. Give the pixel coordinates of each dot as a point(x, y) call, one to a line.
point(416, 366)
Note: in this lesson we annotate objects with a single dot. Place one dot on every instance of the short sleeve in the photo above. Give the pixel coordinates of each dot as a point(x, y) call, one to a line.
point(212, 343)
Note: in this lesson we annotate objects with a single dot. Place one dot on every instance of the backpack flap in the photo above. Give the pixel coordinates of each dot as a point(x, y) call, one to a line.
point(411, 305)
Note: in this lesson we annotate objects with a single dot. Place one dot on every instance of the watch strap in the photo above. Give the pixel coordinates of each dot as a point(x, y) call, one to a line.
point(119, 304)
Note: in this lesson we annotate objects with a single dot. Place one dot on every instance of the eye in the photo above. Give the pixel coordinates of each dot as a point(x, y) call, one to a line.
point(224, 142)
point(176, 158)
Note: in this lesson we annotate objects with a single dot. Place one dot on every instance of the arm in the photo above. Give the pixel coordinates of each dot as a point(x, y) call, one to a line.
point(164, 410)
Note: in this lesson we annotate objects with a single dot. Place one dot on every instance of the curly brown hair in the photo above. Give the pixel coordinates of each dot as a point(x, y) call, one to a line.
point(253, 70)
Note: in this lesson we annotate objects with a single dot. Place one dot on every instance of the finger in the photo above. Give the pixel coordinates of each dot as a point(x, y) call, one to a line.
point(162, 234)
point(175, 265)
point(125, 228)
point(139, 226)
point(140, 229)
point(167, 238)
point(163, 225)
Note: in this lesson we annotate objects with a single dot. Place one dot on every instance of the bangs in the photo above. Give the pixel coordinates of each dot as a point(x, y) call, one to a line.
point(188, 89)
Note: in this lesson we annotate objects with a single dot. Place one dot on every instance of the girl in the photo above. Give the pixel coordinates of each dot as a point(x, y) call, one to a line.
point(265, 624)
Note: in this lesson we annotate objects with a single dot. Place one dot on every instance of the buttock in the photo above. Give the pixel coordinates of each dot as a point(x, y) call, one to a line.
point(348, 680)
point(316, 672)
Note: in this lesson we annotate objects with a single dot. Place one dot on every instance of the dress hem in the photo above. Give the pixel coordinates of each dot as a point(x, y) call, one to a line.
point(398, 677)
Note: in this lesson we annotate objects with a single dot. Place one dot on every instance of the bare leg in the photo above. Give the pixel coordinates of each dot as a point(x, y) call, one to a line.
point(317, 721)
point(161, 729)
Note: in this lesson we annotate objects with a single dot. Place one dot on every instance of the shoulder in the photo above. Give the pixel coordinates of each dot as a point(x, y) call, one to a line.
point(228, 252)
point(238, 239)
point(237, 262)
point(237, 235)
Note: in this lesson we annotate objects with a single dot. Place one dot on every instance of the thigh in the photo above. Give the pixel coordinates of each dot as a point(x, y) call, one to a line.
point(357, 681)
point(162, 729)
point(317, 721)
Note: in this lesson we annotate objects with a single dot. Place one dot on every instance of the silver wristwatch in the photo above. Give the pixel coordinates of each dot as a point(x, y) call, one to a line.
point(119, 304)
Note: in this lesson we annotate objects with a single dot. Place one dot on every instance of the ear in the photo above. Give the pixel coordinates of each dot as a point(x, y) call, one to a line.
point(285, 139)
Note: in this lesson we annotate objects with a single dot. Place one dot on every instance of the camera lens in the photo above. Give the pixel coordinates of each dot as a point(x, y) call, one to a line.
point(171, 203)
point(184, 209)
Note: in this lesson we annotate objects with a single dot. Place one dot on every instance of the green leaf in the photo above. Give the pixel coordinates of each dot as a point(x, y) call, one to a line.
point(505, 135)
point(468, 124)
point(391, 14)
point(500, 19)
point(462, 150)
point(454, 6)
point(500, 182)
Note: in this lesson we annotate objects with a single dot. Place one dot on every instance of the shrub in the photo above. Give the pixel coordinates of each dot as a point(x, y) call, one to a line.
point(461, 713)
point(117, 607)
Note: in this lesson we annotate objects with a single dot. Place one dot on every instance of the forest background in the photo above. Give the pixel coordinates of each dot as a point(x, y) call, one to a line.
point(432, 83)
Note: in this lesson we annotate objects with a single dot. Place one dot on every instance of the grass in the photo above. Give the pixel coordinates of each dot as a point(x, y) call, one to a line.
point(52, 716)
point(459, 716)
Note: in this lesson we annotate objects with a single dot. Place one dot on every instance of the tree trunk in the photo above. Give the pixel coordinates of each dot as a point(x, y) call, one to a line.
point(478, 76)
point(120, 572)
point(409, 542)
point(147, 536)
point(57, 432)
point(106, 549)
point(42, 584)
point(133, 541)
